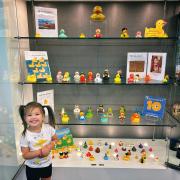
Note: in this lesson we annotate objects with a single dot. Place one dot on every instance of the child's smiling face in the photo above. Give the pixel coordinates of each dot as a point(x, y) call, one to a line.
point(34, 117)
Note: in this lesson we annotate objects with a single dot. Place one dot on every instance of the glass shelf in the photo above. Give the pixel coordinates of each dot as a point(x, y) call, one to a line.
point(115, 121)
point(69, 38)
point(110, 82)
point(106, 41)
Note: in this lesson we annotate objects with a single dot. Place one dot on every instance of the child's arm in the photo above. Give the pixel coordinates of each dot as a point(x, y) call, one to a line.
point(27, 154)
point(54, 140)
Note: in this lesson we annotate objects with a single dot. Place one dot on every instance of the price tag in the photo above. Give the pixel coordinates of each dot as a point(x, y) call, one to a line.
point(154, 106)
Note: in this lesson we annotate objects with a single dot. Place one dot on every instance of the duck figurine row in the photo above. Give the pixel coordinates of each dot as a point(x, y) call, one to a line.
point(156, 31)
point(82, 78)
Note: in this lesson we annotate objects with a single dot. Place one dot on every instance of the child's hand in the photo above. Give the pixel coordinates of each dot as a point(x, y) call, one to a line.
point(46, 150)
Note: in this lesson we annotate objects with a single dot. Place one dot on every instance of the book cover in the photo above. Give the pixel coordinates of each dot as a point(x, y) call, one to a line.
point(37, 65)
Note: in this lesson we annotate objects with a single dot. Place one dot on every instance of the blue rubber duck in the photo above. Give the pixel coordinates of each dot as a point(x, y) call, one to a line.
point(62, 34)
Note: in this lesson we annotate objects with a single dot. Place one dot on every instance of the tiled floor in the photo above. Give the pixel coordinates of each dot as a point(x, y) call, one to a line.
point(110, 174)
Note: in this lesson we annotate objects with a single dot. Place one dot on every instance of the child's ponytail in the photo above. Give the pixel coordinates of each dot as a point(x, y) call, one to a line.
point(22, 113)
point(51, 116)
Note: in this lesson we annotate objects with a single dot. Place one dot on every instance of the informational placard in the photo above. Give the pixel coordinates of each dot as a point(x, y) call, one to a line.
point(154, 106)
point(46, 22)
point(46, 98)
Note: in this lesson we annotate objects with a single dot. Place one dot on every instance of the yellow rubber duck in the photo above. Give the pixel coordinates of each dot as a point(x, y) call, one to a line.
point(97, 14)
point(124, 33)
point(82, 35)
point(31, 78)
point(157, 31)
point(92, 158)
point(117, 79)
point(65, 118)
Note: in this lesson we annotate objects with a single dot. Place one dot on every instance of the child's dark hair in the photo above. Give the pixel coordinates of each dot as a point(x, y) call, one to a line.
point(24, 109)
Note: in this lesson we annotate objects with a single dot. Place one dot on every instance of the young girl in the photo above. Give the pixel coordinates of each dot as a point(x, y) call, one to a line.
point(37, 140)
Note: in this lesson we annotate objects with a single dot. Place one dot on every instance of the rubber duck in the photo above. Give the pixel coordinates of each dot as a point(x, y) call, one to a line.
point(81, 114)
point(90, 76)
point(82, 35)
point(100, 109)
point(136, 78)
point(138, 34)
point(166, 79)
point(126, 157)
point(37, 35)
point(59, 77)
point(76, 110)
point(106, 75)
point(124, 33)
point(48, 78)
point(135, 118)
point(90, 142)
point(66, 77)
point(77, 77)
point(110, 112)
point(131, 78)
point(97, 14)
point(122, 113)
point(62, 34)
point(98, 78)
point(117, 79)
point(91, 148)
point(82, 78)
point(98, 33)
point(97, 150)
point(88, 154)
point(92, 158)
point(104, 118)
point(65, 118)
point(134, 149)
point(147, 78)
point(106, 157)
point(85, 146)
point(157, 31)
point(89, 113)
point(31, 78)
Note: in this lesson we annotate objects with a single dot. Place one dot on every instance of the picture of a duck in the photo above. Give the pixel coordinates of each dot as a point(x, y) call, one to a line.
point(158, 31)
point(40, 143)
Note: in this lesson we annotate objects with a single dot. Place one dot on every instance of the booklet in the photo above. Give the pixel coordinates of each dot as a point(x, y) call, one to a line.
point(37, 65)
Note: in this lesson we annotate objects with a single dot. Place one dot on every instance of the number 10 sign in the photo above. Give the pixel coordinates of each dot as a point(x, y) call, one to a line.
point(154, 106)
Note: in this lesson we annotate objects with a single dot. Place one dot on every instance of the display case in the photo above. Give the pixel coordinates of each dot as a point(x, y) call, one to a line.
point(110, 52)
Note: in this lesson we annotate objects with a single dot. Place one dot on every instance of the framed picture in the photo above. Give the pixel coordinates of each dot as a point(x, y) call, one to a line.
point(136, 64)
point(156, 65)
